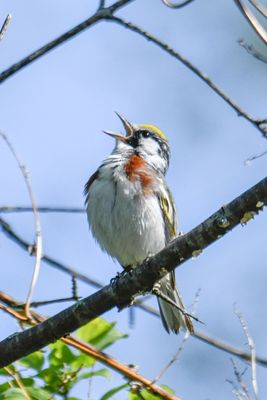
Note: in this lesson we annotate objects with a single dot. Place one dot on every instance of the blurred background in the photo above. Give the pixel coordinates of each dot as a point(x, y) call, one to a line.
point(53, 112)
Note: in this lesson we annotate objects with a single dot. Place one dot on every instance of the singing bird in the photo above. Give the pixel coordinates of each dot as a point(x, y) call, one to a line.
point(131, 211)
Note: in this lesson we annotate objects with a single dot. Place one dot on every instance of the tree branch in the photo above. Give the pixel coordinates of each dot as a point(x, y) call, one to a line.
point(217, 343)
point(253, 21)
point(141, 279)
point(260, 124)
point(184, 3)
point(101, 14)
point(4, 26)
point(18, 209)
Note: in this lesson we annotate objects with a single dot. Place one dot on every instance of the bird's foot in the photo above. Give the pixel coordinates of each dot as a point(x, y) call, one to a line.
point(127, 270)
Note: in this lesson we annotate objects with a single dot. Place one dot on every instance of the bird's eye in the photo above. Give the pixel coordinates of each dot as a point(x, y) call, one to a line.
point(145, 134)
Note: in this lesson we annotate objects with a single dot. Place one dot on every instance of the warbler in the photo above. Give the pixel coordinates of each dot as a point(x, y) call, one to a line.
point(131, 211)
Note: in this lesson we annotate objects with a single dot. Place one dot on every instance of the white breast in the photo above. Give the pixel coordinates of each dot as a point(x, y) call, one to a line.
point(127, 225)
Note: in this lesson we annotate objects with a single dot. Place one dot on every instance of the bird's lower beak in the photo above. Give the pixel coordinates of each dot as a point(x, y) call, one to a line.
point(116, 136)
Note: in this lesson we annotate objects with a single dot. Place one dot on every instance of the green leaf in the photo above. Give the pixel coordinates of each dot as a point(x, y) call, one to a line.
point(101, 372)
point(51, 378)
point(34, 360)
point(39, 393)
point(114, 391)
point(100, 333)
point(4, 387)
point(168, 389)
point(144, 395)
point(13, 394)
point(82, 360)
point(60, 354)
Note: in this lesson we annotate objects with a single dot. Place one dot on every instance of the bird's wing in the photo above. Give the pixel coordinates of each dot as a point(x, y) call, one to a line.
point(88, 185)
point(168, 210)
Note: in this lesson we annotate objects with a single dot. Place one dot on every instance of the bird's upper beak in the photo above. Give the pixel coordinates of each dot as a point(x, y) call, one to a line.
point(128, 128)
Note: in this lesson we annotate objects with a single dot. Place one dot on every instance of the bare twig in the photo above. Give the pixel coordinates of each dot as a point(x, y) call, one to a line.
point(15, 209)
point(141, 279)
point(251, 346)
point(4, 26)
point(248, 160)
point(174, 358)
point(252, 50)
point(260, 124)
point(253, 21)
point(240, 392)
point(178, 5)
point(98, 16)
point(101, 4)
point(74, 287)
point(38, 236)
point(181, 347)
point(260, 7)
point(16, 378)
point(98, 355)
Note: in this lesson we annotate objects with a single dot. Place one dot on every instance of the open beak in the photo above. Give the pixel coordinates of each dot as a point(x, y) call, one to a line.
point(128, 128)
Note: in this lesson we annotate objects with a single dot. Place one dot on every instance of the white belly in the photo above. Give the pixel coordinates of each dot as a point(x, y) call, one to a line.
point(128, 226)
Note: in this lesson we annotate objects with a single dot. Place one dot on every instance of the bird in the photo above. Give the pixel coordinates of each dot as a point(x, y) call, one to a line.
point(131, 211)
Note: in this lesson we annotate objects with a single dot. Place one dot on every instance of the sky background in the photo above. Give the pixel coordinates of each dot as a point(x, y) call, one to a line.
point(53, 112)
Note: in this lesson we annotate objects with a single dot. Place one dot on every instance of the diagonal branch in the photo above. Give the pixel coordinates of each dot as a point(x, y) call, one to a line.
point(217, 343)
point(253, 21)
point(260, 124)
point(4, 26)
point(184, 3)
point(141, 279)
point(98, 16)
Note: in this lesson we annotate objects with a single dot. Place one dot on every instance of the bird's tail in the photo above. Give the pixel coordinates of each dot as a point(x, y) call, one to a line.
point(172, 318)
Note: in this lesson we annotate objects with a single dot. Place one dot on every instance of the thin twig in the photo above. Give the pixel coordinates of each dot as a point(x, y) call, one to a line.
point(242, 392)
point(252, 348)
point(253, 21)
point(260, 124)
point(15, 209)
point(182, 345)
point(38, 236)
point(4, 26)
point(101, 4)
point(74, 287)
point(16, 378)
point(36, 304)
point(260, 7)
point(252, 50)
point(174, 5)
point(248, 160)
point(174, 358)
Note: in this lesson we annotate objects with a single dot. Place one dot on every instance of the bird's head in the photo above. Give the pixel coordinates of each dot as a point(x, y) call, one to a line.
point(146, 140)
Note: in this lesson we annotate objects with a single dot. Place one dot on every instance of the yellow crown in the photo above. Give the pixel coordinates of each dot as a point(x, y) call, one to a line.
point(154, 129)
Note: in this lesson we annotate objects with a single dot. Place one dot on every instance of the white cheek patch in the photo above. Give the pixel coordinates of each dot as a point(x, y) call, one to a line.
point(150, 146)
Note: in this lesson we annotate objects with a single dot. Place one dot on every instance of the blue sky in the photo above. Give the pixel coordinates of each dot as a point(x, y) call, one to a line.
point(54, 111)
